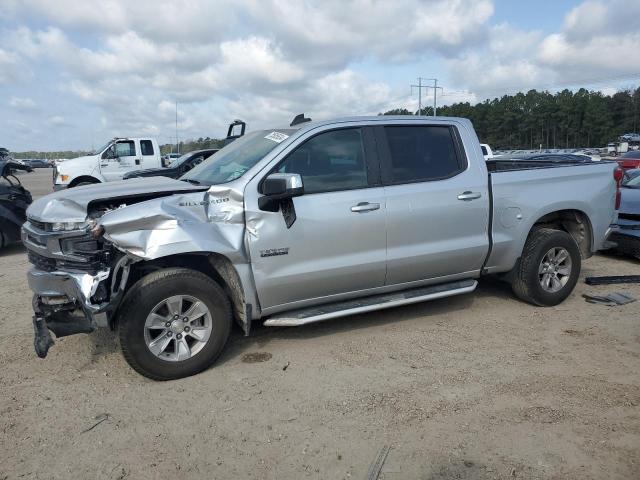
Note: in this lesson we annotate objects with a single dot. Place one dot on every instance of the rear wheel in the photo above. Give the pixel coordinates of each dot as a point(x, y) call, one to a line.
point(174, 323)
point(548, 269)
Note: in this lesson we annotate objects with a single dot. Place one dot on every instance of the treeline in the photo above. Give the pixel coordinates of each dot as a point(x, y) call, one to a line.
point(47, 155)
point(562, 120)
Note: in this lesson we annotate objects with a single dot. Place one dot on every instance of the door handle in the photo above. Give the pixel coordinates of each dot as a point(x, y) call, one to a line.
point(137, 161)
point(365, 207)
point(466, 196)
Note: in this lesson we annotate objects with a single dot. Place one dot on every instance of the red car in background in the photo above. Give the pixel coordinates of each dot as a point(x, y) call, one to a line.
point(630, 160)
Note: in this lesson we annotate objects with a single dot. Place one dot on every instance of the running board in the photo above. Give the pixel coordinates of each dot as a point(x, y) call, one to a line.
point(303, 316)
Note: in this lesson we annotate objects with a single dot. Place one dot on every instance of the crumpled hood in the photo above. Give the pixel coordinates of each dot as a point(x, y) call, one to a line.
point(71, 205)
point(205, 221)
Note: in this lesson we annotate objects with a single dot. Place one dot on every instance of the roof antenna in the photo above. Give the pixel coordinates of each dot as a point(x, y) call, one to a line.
point(300, 118)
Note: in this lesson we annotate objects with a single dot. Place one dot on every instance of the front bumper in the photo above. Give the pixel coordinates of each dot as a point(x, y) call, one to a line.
point(70, 303)
point(63, 291)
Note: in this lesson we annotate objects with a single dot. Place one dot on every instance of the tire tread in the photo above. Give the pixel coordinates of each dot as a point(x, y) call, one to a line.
point(520, 283)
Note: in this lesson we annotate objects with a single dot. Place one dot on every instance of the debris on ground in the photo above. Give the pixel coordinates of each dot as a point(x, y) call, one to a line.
point(612, 279)
point(99, 419)
point(256, 357)
point(612, 299)
point(376, 466)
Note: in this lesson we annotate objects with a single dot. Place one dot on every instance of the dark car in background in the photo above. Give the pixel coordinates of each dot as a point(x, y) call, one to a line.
point(14, 200)
point(177, 168)
point(630, 160)
point(37, 163)
point(628, 234)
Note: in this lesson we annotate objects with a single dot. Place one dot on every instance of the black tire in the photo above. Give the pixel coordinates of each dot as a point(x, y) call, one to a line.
point(526, 282)
point(82, 184)
point(146, 294)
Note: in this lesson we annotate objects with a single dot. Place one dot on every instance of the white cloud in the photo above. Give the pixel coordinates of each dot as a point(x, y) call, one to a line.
point(598, 41)
point(22, 103)
point(117, 67)
point(506, 62)
point(11, 68)
point(56, 121)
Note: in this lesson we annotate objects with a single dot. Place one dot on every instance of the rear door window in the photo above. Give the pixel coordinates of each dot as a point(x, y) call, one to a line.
point(422, 153)
point(146, 147)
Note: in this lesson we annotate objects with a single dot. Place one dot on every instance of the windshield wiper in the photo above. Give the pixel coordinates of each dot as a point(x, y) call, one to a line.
point(192, 181)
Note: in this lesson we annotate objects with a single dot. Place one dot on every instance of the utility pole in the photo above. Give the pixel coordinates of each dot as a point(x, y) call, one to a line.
point(420, 86)
point(177, 143)
point(435, 88)
point(435, 95)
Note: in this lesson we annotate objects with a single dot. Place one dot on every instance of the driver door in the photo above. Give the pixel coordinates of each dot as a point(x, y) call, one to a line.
point(119, 159)
point(337, 244)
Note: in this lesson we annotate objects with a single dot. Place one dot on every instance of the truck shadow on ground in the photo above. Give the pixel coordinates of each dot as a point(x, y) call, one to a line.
point(13, 249)
point(431, 311)
point(103, 343)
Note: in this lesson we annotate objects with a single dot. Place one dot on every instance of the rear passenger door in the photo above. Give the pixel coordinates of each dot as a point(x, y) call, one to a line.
point(148, 159)
point(437, 204)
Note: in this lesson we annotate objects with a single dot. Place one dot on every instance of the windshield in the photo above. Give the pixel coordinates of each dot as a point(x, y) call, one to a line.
point(181, 159)
point(235, 159)
point(633, 180)
point(101, 149)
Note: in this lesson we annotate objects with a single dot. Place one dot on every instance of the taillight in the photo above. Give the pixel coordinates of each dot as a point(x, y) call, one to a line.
point(618, 175)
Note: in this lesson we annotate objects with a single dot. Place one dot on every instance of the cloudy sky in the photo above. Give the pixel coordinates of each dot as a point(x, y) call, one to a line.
point(76, 73)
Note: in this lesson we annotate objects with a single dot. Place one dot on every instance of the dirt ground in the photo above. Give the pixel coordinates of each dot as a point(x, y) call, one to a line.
point(471, 387)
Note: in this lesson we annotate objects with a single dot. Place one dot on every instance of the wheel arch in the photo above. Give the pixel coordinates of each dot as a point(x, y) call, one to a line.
point(83, 178)
point(214, 265)
point(575, 222)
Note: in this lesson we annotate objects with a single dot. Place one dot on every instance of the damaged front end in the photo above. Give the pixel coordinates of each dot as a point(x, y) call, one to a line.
point(77, 280)
point(82, 268)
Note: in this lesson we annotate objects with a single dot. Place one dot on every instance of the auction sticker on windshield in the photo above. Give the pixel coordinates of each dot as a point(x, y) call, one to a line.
point(277, 137)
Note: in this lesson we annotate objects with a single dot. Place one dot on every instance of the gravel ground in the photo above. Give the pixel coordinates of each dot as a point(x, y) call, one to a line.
point(473, 387)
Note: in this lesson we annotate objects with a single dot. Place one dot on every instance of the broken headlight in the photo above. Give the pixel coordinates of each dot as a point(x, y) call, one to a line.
point(67, 226)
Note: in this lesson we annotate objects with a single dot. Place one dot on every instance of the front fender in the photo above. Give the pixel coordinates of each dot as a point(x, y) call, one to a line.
point(210, 223)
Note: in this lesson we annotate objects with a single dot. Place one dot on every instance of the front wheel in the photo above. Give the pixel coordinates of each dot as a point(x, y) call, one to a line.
point(173, 323)
point(548, 269)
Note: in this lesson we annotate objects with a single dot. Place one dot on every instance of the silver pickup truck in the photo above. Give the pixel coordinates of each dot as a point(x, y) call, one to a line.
point(309, 222)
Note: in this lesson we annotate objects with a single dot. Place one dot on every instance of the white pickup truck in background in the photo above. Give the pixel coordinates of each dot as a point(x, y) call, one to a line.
point(487, 153)
point(111, 162)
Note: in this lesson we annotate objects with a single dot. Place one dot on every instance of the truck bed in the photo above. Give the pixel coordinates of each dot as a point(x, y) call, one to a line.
point(523, 192)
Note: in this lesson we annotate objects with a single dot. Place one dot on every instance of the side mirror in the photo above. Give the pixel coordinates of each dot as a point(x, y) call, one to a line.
point(278, 187)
